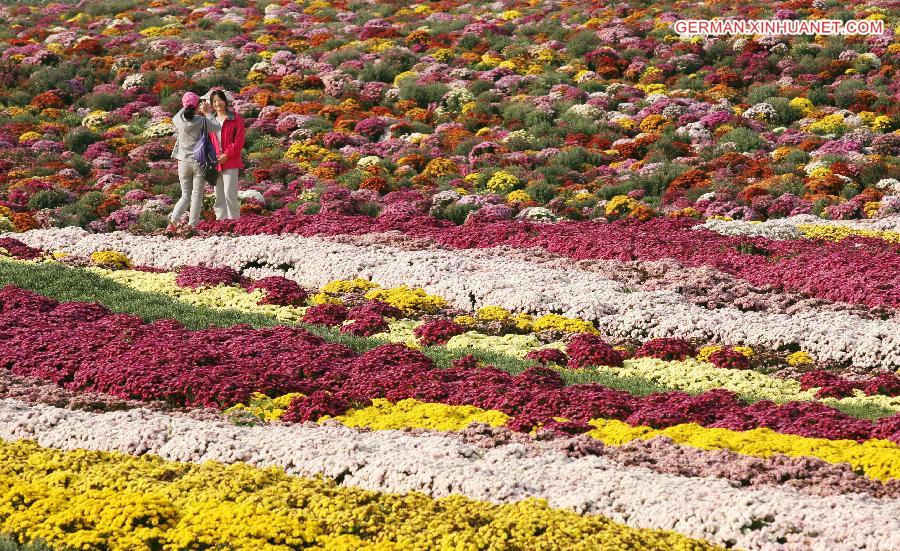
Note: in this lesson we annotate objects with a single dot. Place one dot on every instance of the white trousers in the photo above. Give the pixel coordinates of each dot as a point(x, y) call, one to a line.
point(192, 189)
point(227, 206)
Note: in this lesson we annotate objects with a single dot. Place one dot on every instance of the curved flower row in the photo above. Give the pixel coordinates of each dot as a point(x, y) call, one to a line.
point(703, 286)
point(131, 503)
point(658, 454)
point(482, 280)
point(381, 460)
point(796, 227)
point(689, 376)
point(874, 458)
point(84, 346)
point(838, 271)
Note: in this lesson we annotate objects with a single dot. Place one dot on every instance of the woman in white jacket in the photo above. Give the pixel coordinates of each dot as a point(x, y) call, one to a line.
point(189, 129)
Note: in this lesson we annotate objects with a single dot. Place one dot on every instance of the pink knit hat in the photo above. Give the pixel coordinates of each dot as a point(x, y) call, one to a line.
point(190, 99)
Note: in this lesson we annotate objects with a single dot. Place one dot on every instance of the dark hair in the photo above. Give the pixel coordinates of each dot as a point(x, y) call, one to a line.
point(218, 94)
point(189, 112)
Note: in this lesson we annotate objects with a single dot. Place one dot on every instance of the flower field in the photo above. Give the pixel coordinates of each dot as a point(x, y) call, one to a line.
point(509, 275)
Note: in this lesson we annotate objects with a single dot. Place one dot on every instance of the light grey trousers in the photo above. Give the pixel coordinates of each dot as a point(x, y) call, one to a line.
point(193, 186)
point(227, 206)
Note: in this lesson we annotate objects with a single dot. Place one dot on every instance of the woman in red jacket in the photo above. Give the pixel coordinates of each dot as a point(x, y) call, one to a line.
point(229, 142)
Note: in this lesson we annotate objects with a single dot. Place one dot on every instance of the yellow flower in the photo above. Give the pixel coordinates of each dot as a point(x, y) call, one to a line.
point(838, 233)
point(555, 322)
point(264, 407)
point(620, 206)
point(112, 259)
point(28, 136)
point(464, 320)
point(443, 55)
point(652, 123)
point(829, 124)
point(801, 104)
point(403, 76)
point(493, 313)
point(408, 300)
point(324, 298)
point(502, 182)
point(704, 353)
point(882, 123)
point(343, 286)
point(652, 88)
point(523, 322)
point(800, 358)
point(439, 167)
point(94, 120)
point(518, 196)
point(92, 500)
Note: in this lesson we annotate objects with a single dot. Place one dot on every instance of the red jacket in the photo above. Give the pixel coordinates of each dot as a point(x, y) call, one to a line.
point(232, 141)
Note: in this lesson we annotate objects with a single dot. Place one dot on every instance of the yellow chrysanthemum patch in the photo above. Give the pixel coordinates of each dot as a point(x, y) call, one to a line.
point(802, 105)
point(110, 259)
point(502, 182)
point(384, 415)
point(704, 353)
point(324, 298)
point(343, 286)
point(555, 322)
point(28, 136)
point(882, 123)
point(220, 297)
point(878, 459)
point(820, 172)
point(93, 500)
point(619, 206)
point(300, 151)
point(518, 196)
point(464, 320)
point(95, 120)
point(440, 167)
point(524, 322)
point(408, 300)
point(400, 331)
point(493, 313)
point(800, 358)
point(838, 233)
point(829, 124)
point(516, 346)
point(264, 407)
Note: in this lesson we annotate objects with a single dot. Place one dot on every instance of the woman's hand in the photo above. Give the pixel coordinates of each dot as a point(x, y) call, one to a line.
point(204, 108)
point(223, 158)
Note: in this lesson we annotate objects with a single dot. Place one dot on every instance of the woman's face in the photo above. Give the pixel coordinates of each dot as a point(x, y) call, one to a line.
point(219, 104)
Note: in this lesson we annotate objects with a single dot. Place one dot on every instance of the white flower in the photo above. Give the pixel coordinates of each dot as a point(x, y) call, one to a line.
point(761, 112)
point(890, 185)
point(437, 464)
point(537, 214)
point(133, 81)
point(251, 194)
point(586, 111)
point(469, 279)
point(370, 160)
